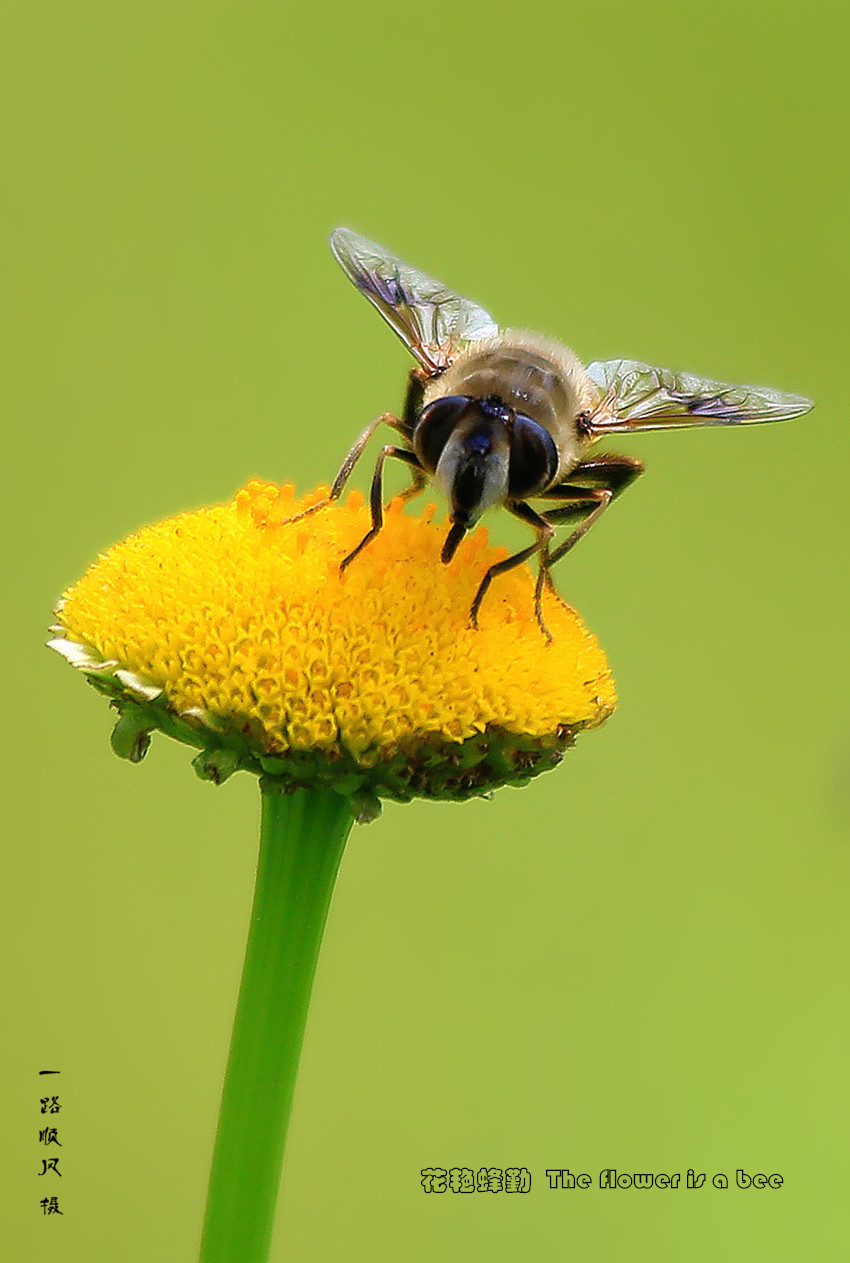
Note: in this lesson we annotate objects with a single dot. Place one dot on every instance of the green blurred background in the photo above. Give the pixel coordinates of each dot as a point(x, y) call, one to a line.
point(640, 961)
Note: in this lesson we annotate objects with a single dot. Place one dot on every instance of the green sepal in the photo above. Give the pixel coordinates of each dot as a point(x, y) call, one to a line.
point(272, 764)
point(131, 736)
point(216, 765)
point(424, 766)
point(365, 805)
point(106, 684)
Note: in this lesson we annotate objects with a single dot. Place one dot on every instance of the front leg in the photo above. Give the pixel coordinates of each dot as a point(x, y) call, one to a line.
point(544, 533)
point(345, 470)
point(376, 498)
point(404, 424)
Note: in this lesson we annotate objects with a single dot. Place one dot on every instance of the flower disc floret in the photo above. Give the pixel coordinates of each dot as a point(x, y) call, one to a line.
point(233, 629)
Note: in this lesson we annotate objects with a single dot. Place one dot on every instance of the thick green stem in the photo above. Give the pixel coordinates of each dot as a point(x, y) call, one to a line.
point(301, 843)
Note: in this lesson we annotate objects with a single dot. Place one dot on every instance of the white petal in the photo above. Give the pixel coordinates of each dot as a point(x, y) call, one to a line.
point(138, 684)
point(80, 656)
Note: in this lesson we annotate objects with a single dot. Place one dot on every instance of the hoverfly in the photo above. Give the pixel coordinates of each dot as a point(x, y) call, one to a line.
point(498, 417)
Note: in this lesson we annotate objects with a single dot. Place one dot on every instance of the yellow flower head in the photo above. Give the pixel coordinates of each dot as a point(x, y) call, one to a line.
point(233, 629)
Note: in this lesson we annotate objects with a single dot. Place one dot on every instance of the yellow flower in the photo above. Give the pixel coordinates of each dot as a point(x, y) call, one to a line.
point(232, 629)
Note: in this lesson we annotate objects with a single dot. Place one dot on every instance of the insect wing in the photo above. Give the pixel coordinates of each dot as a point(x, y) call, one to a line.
point(640, 397)
point(431, 321)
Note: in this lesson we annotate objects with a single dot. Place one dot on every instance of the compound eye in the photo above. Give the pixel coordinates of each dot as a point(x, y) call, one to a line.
point(436, 423)
point(534, 458)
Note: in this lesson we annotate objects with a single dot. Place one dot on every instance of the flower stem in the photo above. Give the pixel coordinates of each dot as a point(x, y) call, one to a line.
point(301, 842)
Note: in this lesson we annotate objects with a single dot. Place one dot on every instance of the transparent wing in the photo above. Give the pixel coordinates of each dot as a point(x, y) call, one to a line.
point(639, 397)
point(431, 321)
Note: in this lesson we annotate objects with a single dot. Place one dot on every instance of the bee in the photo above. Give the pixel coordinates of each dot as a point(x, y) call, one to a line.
point(500, 417)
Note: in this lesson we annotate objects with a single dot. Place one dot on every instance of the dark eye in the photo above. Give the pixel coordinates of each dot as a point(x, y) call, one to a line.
point(534, 458)
point(436, 422)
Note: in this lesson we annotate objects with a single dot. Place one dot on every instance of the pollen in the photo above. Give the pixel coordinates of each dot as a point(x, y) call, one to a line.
point(236, 621)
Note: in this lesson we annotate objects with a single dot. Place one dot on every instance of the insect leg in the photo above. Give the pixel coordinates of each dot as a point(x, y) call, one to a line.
point(544, 533)
point(357, 451)
point(386, 418)
point(605, 477)
point(376, 498)
point(418, 480)
point(608, 470)
point(409, 415)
